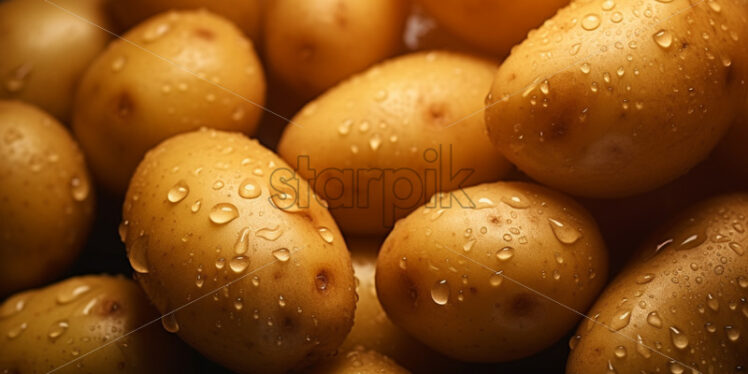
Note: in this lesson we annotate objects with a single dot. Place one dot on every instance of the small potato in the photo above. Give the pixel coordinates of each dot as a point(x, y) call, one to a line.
point(46, 50)
point(46, 198)
point(680, 306)
point(359, 361)
point(492, 25)
point(88, 324)
point(482, 275)
point(374, 330)
point(615, 98)
point(197, 70)
point(378, 145)
point(312, 45)
point(215, 220)
point(246, 14)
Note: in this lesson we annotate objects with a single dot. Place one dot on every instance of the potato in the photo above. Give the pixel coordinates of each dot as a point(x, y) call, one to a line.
point(378, 145)
point(423, 33)
point(46, 198)
point(731, 153)
point(493, 272)
point(220, 225)
point(359, 361)
point(196, 70)
point(680, 305)
point(611, 99)
point(46, 50)
point(245, 13)
point(312, 45)
point(87, 324)
point(372, 328)
point(492, 25)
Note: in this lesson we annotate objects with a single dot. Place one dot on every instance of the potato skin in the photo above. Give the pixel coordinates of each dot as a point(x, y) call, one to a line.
point(372, 328)
point(697, 288)
point(246, 14)
point(610, 103)
point(389, 131)
point(130, 99)
point(435, 275)
point(491, 25)
point(198, 215)
point(312, 45)
point(359, 361)
point(86, 319)
point(46, 50)
point(46, 197)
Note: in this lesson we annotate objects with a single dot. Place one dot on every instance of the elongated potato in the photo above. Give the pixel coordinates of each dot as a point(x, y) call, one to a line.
point(380, 144)
point(312, 45)
point(614, 98)
point(492, 25)
point(246, 14)
point(220, 225)
point(186, 70)
point(493, 272)
point(681, 305)
point(88, 324)
point(46, 198)
point(47, 48)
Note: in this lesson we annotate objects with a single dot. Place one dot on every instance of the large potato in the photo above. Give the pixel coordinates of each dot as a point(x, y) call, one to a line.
point(492, 25)
point(245, 13)
point(88, 324)
point(215, 219)
point(372, 328)
point(681, 305)
point(197, 69)
point(378, 145)
point(46, 198)
point(482, 275)
point(609, 99)
point(46, 50)
point(359, 361)
point(312, 45)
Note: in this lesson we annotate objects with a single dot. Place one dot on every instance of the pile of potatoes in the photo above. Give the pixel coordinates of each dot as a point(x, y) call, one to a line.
point(374, 186)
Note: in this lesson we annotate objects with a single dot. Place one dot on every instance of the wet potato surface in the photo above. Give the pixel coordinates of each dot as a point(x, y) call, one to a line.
point(373, 186)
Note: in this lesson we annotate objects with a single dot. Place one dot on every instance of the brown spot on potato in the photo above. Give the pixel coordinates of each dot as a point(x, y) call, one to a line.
point(512, 77)
point(523, 304)
point(108, 307)
point(322, 280)
point(306, 51)
point(288, 323)
point(124, 104)
point(340, 14)
point(277, 275)
point(495, 220)
point(558, 129)
point(205, 34)
point(409, 288)
point(436, 113)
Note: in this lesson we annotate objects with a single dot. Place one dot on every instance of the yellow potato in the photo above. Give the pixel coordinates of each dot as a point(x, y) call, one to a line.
point(614, 98)
point(680, 306)
point(312, 45)
point(378, 145)
point(246, 14)
point(46, 50)
point(46, 198)
point(197, 70)
point(88, 324)
point(492, 25)
point(359, 361)
point(372, 328)
point(220, 225)
point(482, 275)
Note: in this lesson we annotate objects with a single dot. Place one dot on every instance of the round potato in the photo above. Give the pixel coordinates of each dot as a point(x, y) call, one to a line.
point(378, 145)
point(88, 324)
point(219, 225)
point(372, 328)
point(46, 198)
point(611, 99)
point(186, 70)
point(680, 306)
point(246, 14)
point(491, 273)
point(359, 361)
point(46, 50)
point(312, 45)
point(492, 25)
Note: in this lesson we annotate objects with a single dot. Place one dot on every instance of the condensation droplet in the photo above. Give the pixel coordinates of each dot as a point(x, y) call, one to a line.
point(282, 254)
point(138, 254)
point(270, 233)
point(249, 189)
point(620, 320)
point(505, 253)
point(325, 234)
point(169, 322)
point(239, 263)
point(178, 193)
point(591, 22)
point(663, 38)
point(223, 213)
point(440, 292)
point(564, 233)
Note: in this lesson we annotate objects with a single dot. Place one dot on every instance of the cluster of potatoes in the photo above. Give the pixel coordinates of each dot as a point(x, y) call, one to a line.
point(374, 186)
